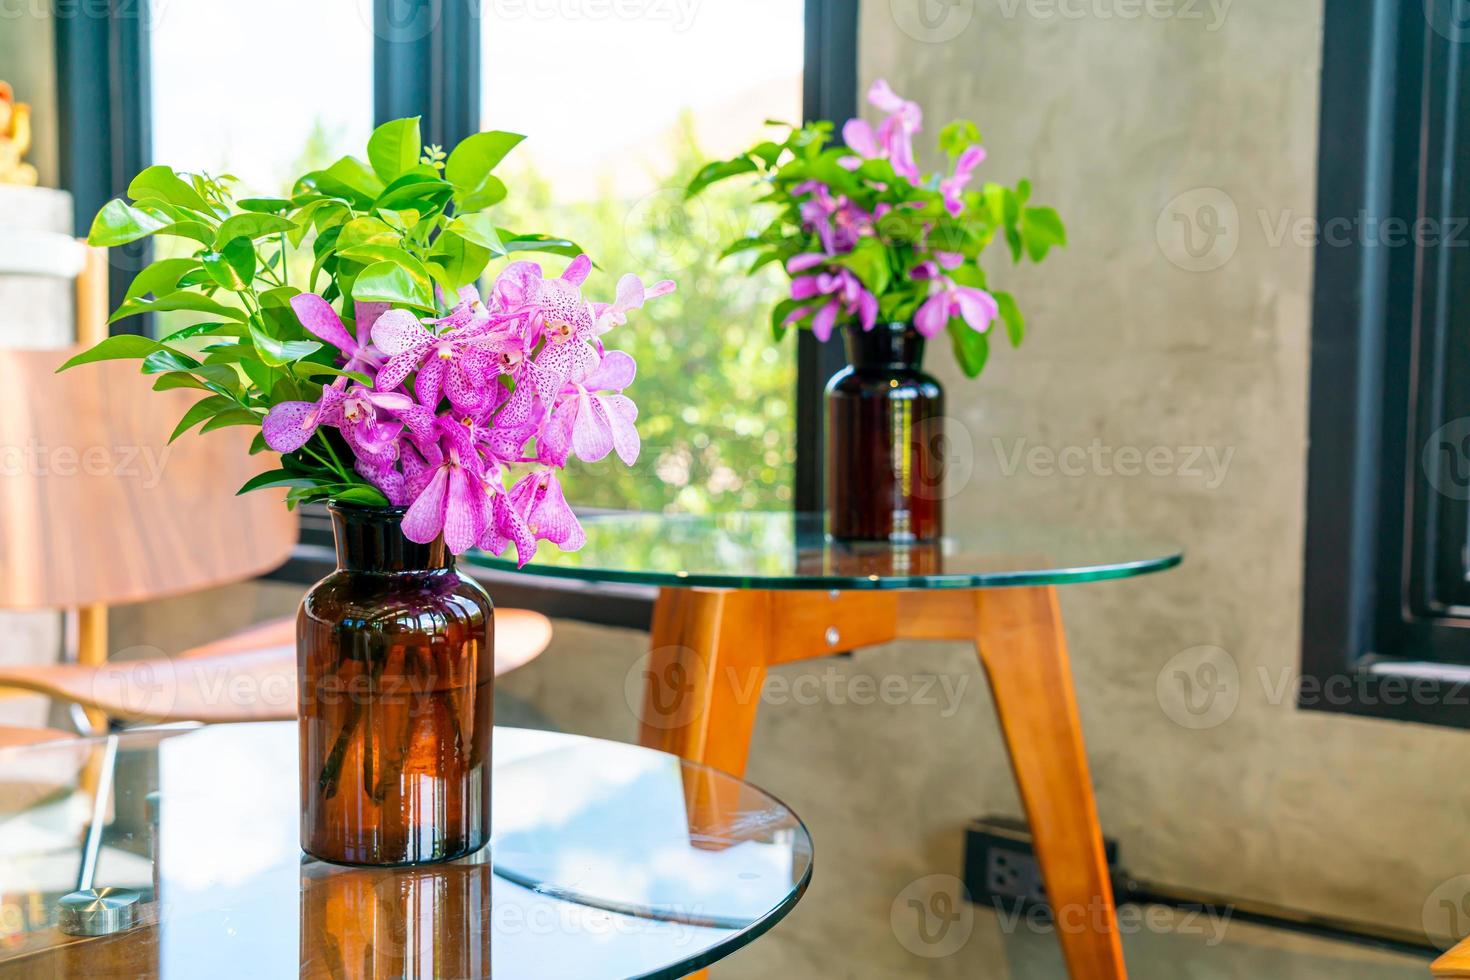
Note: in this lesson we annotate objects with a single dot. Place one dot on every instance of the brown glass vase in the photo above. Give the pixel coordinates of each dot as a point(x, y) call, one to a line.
point(396, 664)
point(884, 419)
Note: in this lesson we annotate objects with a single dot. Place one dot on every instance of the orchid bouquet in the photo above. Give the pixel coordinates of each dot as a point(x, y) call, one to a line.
point(382, 376)
point(866, 237)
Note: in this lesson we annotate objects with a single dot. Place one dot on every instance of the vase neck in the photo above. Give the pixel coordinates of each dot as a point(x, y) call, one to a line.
point(370, 539)
point(887, 345)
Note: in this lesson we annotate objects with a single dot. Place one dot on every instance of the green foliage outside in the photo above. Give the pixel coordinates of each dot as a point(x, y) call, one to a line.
point(715, 393)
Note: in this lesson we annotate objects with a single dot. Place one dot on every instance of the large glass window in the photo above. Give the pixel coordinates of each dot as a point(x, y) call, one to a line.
point(620, 111)
point(290, 93)
point(291, 90)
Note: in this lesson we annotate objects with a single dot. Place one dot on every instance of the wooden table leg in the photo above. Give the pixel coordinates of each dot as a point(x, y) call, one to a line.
point(1019, 636)
point(701, 688)
point(706, 666)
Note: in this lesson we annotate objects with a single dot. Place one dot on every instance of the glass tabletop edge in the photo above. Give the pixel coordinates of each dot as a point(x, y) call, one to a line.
point(817, 583)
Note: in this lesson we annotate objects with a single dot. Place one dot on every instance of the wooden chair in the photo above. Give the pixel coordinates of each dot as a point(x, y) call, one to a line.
point(250, 676)
point(97, 508)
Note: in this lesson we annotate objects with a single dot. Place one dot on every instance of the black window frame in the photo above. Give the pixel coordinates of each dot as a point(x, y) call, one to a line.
point(426, 62)
point(1386, 607)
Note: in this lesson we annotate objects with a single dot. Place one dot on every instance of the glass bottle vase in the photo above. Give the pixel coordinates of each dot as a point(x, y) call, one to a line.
point(885, 417)
point(396, 665)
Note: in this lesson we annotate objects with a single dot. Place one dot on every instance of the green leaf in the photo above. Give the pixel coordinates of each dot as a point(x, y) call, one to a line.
point(390, 282)
point(1010, 315)
point(251, 226)
point(362, 494)
point(971, 349)
point(457, 261)
point(370, 254)
point(869, 262)
point(119, 223)
point(159, 277)
point(168, 360)
point(480, 229)
point(181, 300)
point(538, 243)
point(206, 330)
point(218, 378)
point(233, 267)
point(468, 169)
point(200, 411)
point(238, 416)
point(366, 231)
point(314, 369)
point(161, 182)
point(394, 147)
point(400, 221)
point(121, 347)
point(778, 314)
point(425, 192)
point(267, 205)
point(958, 136)
point(743, 245)
point(1041, 228)
point(1001, 202)
point(277, 353)
point(348, 178)
point(717, 171)
point(275, 478)
point(195, 230)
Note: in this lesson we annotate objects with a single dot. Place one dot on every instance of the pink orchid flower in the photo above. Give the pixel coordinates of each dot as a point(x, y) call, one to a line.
point(455, 364)
point(846, 293)
point(594, 417)
point(354, 412)
point(534, 508)
point(838, 222)
point(953, 187)
point(318, 317)
point(631, 295)
point(949, 299)
point(453, 500)
point(894, 139)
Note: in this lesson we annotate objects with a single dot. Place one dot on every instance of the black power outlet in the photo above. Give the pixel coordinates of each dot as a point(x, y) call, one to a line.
point(1001, 869)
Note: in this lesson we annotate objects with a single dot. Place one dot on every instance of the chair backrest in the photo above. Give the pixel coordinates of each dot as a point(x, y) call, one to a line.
point(97, 508)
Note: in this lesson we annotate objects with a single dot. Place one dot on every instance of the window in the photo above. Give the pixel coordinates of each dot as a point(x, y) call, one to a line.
point(1386, 618)
point(630, 110)
point(314, 105)
point(618, 108)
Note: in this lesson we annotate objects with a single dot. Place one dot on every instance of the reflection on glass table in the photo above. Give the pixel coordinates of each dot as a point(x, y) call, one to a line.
point(784, 550)
point(608, 861)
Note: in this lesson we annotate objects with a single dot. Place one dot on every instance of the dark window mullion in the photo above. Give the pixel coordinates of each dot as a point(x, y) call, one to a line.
point(426, 62)
point(829, 91)
point(103, 71)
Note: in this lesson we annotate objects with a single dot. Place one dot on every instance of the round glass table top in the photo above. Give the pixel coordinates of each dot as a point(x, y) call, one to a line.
point(785, 550)
point(607, 860)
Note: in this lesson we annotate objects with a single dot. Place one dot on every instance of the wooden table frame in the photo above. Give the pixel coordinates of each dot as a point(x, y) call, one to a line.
point(710, 649)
